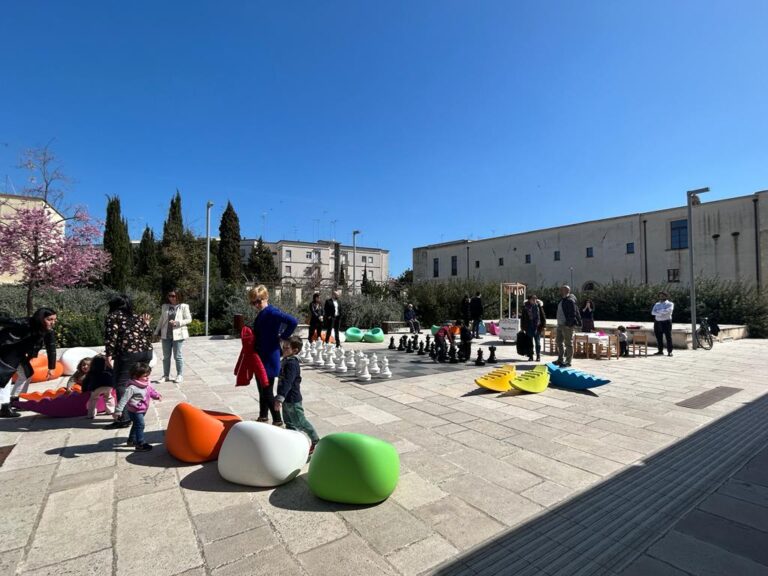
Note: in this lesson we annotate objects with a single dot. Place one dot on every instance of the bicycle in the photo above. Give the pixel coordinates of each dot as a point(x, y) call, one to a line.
point(703, 335)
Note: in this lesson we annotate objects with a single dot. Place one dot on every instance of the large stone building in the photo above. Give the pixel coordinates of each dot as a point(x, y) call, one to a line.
point(9, 203)
point(730, 242)
point(320, 264)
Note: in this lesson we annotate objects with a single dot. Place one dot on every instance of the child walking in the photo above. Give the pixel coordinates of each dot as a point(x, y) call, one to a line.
point(77, 378)
point(99, 382)
point(289, 392)
point(136, 401)
point(623, 344)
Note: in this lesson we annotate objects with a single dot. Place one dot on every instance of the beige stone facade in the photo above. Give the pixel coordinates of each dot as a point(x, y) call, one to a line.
point(9, 203)
point(314, 263)
point(730, 242)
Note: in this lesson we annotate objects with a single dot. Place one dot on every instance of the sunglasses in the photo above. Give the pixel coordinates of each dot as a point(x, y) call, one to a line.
point(254, 302)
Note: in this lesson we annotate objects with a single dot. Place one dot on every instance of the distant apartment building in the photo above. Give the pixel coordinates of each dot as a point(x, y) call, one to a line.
point(320, 264)
point(730, 242)
point(9, 203)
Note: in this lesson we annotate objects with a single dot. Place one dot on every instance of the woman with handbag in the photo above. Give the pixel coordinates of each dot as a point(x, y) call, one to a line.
point(532, 322)
point(172, 329)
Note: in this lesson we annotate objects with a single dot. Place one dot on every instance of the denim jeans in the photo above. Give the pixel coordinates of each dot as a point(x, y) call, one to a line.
point(174, 346)
point(137, 430)
point(293, 416)
point(533, 332)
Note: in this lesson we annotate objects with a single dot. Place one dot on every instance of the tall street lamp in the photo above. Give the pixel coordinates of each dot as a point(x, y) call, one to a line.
point(354, 261)
point(571, 267)
point(208, 207)
point(693, 200)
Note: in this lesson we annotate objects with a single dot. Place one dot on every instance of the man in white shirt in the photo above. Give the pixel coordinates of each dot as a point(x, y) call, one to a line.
point(332, 313)
point(662, 323)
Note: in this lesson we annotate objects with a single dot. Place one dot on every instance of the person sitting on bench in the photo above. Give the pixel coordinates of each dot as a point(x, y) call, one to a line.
point(410, 319)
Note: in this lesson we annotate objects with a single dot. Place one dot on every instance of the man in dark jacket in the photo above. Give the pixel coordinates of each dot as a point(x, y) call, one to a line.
point(332, 314)
point(476, 311)
point(568, 321)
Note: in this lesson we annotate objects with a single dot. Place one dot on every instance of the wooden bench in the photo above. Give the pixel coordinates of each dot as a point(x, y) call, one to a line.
point(393, 326)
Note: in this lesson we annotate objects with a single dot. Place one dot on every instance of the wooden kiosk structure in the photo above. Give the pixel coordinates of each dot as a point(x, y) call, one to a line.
point(509, 326)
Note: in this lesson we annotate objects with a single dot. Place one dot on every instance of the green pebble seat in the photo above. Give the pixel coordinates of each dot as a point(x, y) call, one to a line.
point(352, 468)
point(435, 329)
point(353, 334)
point(375, 336)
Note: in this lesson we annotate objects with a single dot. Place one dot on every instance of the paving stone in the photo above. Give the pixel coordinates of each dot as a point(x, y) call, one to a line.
point(422, 555)
point(302, 520)
point(413, 491)
point(428, 465)
point(506, 475)
point(226, 522)
point(547, 493)
point(94, 564)
point(458, 522)
point(271, 562)
point(737, 511)
point(89, 509)
point(82, 478)
point(734, 537)
point(234, 548)
point(173, 546)
point(647, 566)
point(9, 560)
point(501, 504)
point(551, 469)
point(349, 556)
point(386, 527)
point(697, 557)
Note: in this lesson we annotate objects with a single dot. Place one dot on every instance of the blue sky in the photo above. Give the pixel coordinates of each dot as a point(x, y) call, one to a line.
point(413, 121)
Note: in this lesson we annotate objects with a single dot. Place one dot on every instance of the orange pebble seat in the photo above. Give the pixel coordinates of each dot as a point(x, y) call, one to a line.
point(195, 435)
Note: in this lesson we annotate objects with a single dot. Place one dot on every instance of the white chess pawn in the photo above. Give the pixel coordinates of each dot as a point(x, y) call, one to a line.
point(318, 359)
point(351, 359)
point(385, 373)
point(364, 375)
point(373, 368)
point(363, 360)
point(341, 366)
point(329, 363)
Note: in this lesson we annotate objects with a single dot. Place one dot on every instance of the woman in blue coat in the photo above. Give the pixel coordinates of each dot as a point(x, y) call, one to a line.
point(270, 327)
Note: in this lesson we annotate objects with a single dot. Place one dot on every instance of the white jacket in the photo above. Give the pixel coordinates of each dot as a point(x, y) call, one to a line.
point(183, 317)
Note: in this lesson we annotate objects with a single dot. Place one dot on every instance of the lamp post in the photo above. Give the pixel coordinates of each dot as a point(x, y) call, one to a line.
point(208, 207)
point(693, 200)
point(354, 261)
point(571, 267)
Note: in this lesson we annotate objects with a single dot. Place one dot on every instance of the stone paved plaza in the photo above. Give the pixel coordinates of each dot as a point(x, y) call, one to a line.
point(556, 483)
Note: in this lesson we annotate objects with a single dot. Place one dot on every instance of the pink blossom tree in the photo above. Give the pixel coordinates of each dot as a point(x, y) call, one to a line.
point(48, 250)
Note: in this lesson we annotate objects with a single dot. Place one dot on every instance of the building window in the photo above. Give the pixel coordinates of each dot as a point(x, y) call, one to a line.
point(345, 257)
point(287, 254)
point(435, 267)
point(590, 252)
point(370, 259)
point(287, 269)
point(308, 255)
point(527, 258)
point(501, 261)
point(673, 274)
point(363, 259)
point(477, 263)
point(454, 265)
point(557, 255)
point(630, 247)
point(678, 234)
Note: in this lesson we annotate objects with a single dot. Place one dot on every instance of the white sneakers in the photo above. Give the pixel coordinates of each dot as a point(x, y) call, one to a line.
point(165, 379)
point(179, 379)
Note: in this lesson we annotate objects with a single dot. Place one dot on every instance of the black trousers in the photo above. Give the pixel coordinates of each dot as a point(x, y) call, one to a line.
point(332, 323)
point(662, 329)
point(315, 329)
point(267, 402)
point(465, 349)
point(122, 373)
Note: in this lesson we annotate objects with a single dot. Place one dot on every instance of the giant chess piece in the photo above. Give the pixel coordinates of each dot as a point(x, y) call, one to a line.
point(415, 342)
point(432, 353)
point(409, 347)
point(341, 367)
point(492, 355)
point(427, 341)
point(479, 361)
point(373, 367)
point(351, 362)
point(391, 343)
point(401, 347)
point(362, 362)
point(384, 372)
point(364, 375)
point(421, 349)
point(330, 365)
point(318, 359)
point(452, 355)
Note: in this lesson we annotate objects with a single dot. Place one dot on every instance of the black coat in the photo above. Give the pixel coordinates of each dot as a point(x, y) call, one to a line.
point(19, 344)
point(465, 308)
point(330, 311)
point(476, 307)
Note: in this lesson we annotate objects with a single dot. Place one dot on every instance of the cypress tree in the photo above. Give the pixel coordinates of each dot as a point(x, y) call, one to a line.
point(229, 246)
point(146, 271)
point(173, 227)
point(261, 264)
point(118, 244)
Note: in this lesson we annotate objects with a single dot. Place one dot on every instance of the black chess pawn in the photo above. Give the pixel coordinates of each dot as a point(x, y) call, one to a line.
point(432, 354)
point(421, 349)
point(401, 347)
point(452, 355)
point(492, 355)
point(409, 347)
point(428, 340)
point(392, 343)
point(479, 361)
